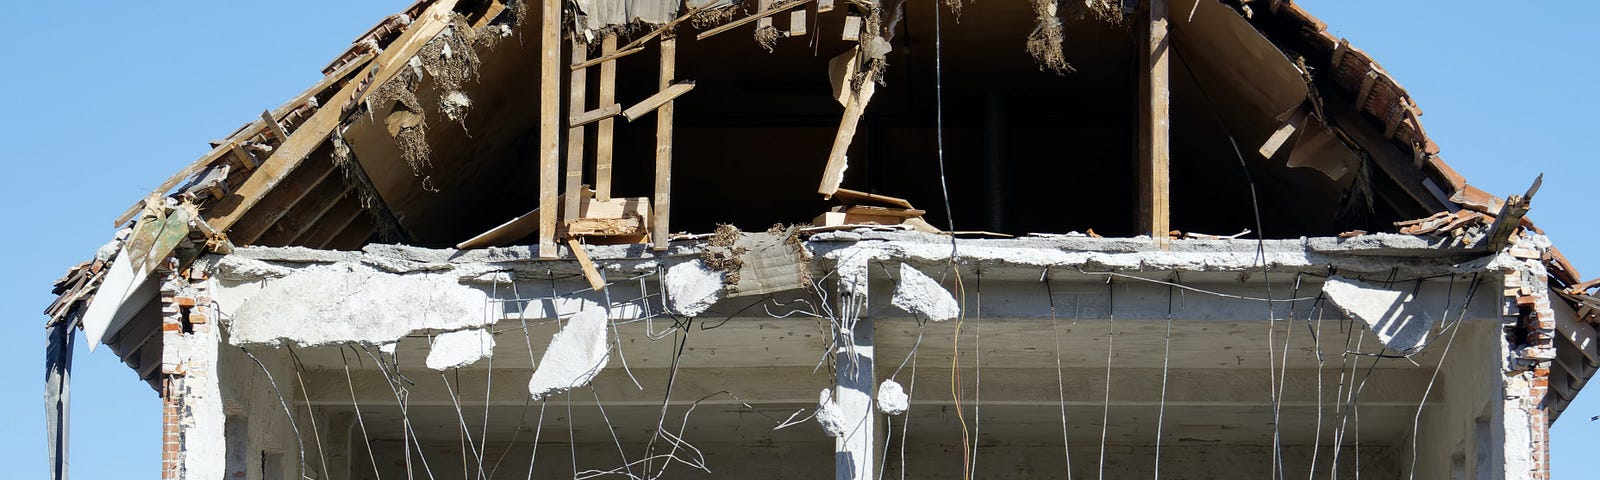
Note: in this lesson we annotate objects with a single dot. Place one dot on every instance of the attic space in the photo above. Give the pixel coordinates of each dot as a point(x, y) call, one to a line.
point(1026, 149)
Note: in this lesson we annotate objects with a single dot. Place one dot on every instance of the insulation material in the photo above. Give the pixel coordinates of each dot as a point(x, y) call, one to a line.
point(1044, 43)
point(459, 349)
point(892, 399)
point(576, 354)
point(769, 262)
point(1391, 314)
point(829, 415)
point(692, 288)
point(451, 59)
point(922, 296)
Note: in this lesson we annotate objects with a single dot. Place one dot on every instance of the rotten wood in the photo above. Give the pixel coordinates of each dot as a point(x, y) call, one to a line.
point(549, 121)
point(753, 17)
point(1154, 117)
point(575, 103)
point(589, 272)
point(604, 132)
point(655, 102)
point(663, 184)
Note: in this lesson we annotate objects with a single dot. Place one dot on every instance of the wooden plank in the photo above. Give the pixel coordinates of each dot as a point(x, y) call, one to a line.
point(246, 160)
point(606, 57)
point(765, 22)
point(280, 200)
point(853, 197)
point(277, 128)
point(881, 211)
point(653, 102)
point(589, 272)
point(591, 116)
point(660, 229)
point(1282, 134)
point(1510, 217)
point(316, 129)
point(606, 227)
point(245, 132)
point(308, 214)
point(576, 90)
point(549, 121)
point(797, 23)
point(834, 219)
point(338, 220)
point(852, 28)
point(753, 17)
point(1154, 117)
point(855, 105)
point(604, 132)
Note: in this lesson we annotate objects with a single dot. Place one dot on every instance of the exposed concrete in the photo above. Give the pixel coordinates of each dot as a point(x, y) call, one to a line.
point(692, 288)
point(325, 304)
point(576, 354)
point(892, 399)
point(460, 349)
point(1391, 314)
point(922, 296)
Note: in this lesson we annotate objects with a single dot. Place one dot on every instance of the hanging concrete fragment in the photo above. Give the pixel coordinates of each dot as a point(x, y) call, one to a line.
point(459, 349)
point(892, 399)
point(576, 355)
point(829, 415)
point(922, 296)
point(692, 288)
point(1391, 314)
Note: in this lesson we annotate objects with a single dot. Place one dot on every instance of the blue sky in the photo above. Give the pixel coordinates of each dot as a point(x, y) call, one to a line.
point(103, 100)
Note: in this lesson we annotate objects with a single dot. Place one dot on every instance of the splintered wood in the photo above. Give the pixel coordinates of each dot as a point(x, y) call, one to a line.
point(865, 209)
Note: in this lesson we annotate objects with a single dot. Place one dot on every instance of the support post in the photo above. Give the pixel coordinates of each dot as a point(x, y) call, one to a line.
point(549, 121)
point(58, 392)
point(1154, 147)
point(575, 96)
point(602, 145)
point(855, 451)
point(659, 229)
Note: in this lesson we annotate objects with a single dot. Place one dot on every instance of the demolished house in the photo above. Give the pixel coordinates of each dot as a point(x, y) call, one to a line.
point(461, 253)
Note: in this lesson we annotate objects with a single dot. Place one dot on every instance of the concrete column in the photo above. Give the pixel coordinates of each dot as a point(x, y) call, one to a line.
point(854, 451)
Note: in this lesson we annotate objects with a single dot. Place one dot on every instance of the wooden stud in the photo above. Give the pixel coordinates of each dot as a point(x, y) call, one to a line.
point(1154, 146)
point(549, 121)
point(602, 145)
point(590, 273)
point(663, 191)
point(1366, 86)
point(655, 102)
point(277, 128)
point(855, 104)
point(576, 91)
point(598, 114)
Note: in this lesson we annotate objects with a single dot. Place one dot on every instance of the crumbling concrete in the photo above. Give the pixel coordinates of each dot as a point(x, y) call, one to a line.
point(920, 295)
point(828, 415)
point(459, 349)
point(892, 399)
point(692, 288)
point(1391, 314)
point(327, 304)
point(576, 354)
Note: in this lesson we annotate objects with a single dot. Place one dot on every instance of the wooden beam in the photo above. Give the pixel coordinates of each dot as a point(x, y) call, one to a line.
point(598, 114)
point(277, 128)
point(576, 90)
point(604, 132)
point(549, 121)
point(1154, 124)
point(605, 58)
point(306, 216)
point(246, 160)
point(842, 68)
point(245, 132)
point(663, 188)
point(326, 212)
point(312, 132)
point(753, 17)
point(282, 199)
point(1510, 216)
point(589, 272)
point(654, 102)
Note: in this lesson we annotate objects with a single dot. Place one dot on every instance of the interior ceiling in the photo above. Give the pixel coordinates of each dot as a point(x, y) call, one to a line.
point(760, 124)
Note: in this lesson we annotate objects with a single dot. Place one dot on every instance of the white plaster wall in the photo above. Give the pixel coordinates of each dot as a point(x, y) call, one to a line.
point(248, 395)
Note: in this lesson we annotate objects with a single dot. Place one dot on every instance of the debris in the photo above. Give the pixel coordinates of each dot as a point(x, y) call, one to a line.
point(1044, 43)
point(829, 415)
point(918, 294)
point(892, 399)
point(1391, 314)
point(692, 288)
point(460, 348)
point(576, 354)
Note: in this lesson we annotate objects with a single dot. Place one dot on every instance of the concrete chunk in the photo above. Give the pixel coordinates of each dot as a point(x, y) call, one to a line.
point(459, 349)
point(1391, 314)
point(692, 288)
point(920, 295)
point(576, 355)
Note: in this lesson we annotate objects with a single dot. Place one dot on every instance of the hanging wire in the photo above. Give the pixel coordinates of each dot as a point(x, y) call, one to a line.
point(1111, 335)
point(316, 435)
point(1416, 421)
point(285, 403)
point(1061, 385)
point(366, 440)
point(1166, 358)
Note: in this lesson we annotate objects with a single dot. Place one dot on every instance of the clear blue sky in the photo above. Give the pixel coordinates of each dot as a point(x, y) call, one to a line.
point(103, 100)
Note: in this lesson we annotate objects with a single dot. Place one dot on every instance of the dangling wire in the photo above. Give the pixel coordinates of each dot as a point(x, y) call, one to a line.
point(1166, 357)
point(1111, 335)
point(1061, 385)
point(1454, 329)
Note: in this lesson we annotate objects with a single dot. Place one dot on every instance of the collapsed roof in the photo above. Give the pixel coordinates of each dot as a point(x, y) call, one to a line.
point(441, 126)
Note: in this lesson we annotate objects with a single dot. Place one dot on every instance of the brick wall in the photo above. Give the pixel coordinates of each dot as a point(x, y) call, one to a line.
point(1533, 337)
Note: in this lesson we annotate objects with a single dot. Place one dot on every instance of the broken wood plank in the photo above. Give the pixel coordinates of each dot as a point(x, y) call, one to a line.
point(1510, 216)
point(606, 227)
point(663, 184)
point(834, 219)
point(1154, 117)
point(663, 97)
point(514, 229)
point(753, 17)
point(595, 115)
point(1282, 134)
point(853, 197)
point(604, 132)
point(589, 272)
point(316, 129)
point(606, 57)
point(842, 69)
point(575, 103)
point(277, 128)
point(881, 211)
point(246, 160)
point(549, 121)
